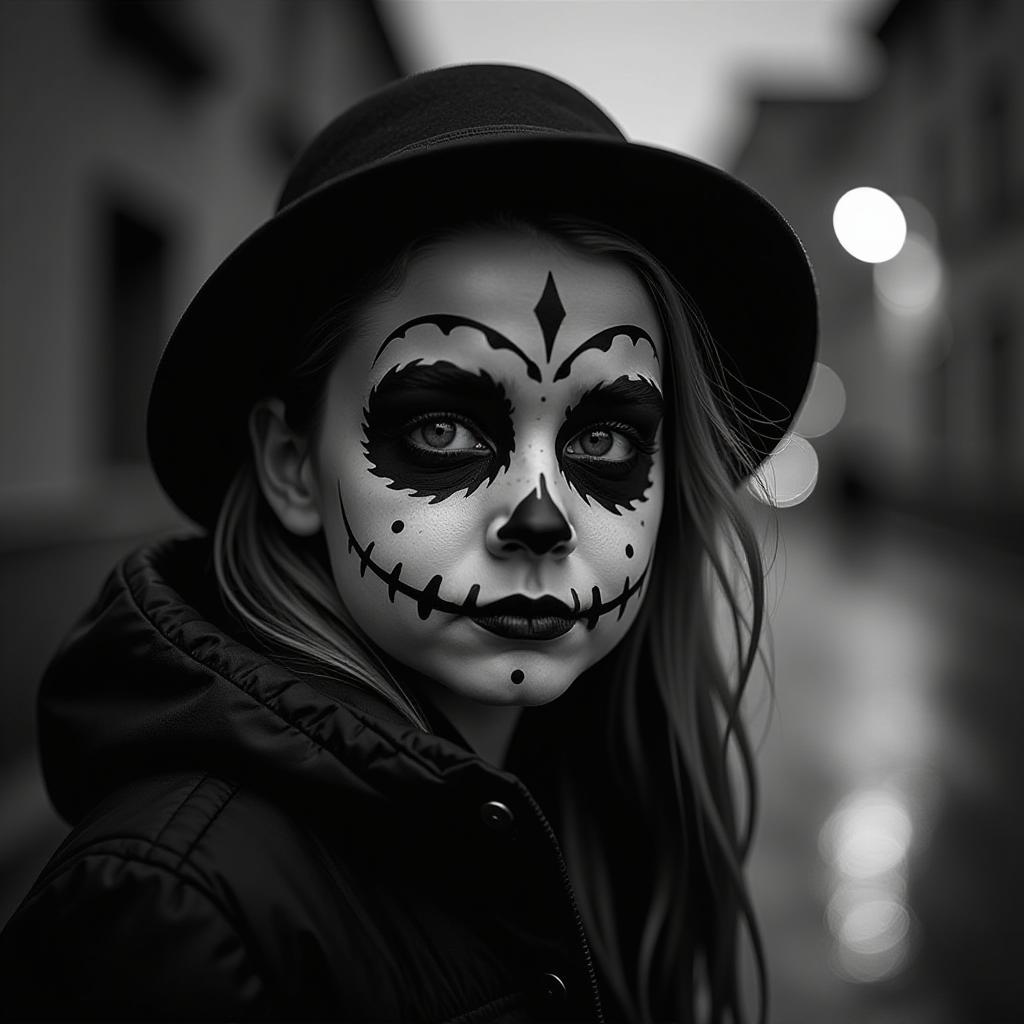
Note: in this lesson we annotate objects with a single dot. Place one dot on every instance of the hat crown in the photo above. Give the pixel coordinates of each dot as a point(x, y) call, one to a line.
point(443, 105)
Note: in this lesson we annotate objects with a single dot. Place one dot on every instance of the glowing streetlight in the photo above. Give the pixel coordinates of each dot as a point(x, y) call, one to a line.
point(869, 224)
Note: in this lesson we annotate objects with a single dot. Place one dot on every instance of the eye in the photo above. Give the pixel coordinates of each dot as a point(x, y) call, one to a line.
point(445, 434)
point(601, 443)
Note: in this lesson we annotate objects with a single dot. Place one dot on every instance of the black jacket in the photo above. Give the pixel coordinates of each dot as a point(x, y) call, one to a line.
point(251, 844)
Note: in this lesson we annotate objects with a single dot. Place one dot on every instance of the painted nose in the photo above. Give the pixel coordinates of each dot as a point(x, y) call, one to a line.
point(536, 525)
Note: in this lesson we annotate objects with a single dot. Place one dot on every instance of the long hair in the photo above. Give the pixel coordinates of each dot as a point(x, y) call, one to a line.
point(670, 733)
point(668, 748)
point(277, 586)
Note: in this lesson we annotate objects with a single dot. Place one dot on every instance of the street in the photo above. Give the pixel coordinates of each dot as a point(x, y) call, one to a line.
point(887, 863)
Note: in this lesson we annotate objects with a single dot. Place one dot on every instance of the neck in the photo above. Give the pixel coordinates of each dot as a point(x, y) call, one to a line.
point(487, 728)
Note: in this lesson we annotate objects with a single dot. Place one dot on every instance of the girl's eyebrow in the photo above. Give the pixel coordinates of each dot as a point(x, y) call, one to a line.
point(442, 384)
point(602, 341)
point(447, 323)
point(636, 399)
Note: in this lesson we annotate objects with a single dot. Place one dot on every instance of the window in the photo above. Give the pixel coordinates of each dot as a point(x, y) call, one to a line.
point(1001, 398)
point(931, 42)
point(983, 10)
point(938, 409)
point(161, 35)
point(993, 120)
point(133, 324)
point(283, 130)
point(936, 175)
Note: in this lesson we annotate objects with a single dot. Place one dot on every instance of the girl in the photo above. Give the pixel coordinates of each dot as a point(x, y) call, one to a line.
point(430, 724)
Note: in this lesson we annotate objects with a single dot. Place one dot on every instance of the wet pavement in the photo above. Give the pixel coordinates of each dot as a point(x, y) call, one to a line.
point(887, 868)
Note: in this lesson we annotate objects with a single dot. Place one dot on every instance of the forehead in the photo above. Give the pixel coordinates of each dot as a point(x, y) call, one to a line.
point(543, 297)
point(504, 274)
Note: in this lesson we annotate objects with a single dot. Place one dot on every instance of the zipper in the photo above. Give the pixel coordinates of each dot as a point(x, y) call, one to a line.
point(567, 885)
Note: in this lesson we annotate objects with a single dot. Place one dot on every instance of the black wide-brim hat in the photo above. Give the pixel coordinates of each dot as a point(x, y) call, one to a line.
point(441, 146)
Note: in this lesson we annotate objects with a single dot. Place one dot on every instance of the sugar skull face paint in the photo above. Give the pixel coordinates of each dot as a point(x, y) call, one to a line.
point(436, 456)
point(490, 483)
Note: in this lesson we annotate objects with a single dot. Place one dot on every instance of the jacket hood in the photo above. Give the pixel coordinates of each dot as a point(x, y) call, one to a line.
point(152, 680)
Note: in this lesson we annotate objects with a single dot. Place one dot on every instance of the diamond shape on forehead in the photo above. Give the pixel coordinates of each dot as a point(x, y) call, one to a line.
point(550, 313)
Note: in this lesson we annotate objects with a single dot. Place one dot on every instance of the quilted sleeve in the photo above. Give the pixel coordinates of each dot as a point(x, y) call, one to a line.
point(108, 936)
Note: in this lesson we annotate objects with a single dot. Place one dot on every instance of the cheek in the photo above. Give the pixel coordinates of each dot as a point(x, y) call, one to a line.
point(618, 546)
point(426, 538)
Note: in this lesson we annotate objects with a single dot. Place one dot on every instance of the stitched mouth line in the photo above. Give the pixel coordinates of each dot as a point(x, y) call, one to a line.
point(428, 599)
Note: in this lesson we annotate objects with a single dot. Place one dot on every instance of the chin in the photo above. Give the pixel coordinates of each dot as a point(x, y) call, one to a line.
point(497, 671)
point(516, 678)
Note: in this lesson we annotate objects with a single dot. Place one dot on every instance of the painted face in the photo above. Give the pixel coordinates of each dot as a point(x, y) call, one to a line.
point(490, 481)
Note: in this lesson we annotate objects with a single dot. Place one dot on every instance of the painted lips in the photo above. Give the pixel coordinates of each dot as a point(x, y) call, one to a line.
point(524, 618)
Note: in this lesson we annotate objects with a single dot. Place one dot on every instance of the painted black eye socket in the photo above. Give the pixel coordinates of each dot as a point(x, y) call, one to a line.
point(602, 443)
point(445, 433)
point(607, 443)
point(609, 462)
point(435, 429)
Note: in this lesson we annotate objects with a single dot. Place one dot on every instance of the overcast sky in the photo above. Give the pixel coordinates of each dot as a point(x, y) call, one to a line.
point(674, 73)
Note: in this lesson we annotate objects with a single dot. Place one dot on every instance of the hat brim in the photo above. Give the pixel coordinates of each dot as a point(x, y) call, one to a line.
point(733, 253)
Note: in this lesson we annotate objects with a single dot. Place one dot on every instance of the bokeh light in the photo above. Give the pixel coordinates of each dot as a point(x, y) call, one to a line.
point(918, 343)
point(869, 224)
point(911, 281)
point(787, 477)
point(911, 302)
point(866, 842)
point(825, 403)
point(867, 967)
point(919, 218)
point(874, 926)
point(868, 835)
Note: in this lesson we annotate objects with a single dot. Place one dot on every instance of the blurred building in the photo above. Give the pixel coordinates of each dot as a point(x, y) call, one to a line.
point(930, 346)
point(141, 141)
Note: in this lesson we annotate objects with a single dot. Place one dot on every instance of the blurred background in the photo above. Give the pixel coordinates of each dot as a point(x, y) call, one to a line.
point(140, 141)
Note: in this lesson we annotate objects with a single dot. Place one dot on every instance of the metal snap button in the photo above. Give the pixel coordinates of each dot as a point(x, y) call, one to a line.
point(497, 816)
point(553, 988)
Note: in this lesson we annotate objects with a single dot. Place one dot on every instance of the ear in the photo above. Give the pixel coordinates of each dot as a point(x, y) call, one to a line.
point(284, 465)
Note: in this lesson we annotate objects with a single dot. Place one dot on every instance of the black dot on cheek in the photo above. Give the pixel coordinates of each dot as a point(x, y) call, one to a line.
point(543, 398)
point(642, 522)
point(397, 526)
point(517, 676)
point(629, 550)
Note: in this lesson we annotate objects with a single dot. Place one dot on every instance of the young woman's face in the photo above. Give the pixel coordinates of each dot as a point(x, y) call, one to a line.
point(489, 478)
